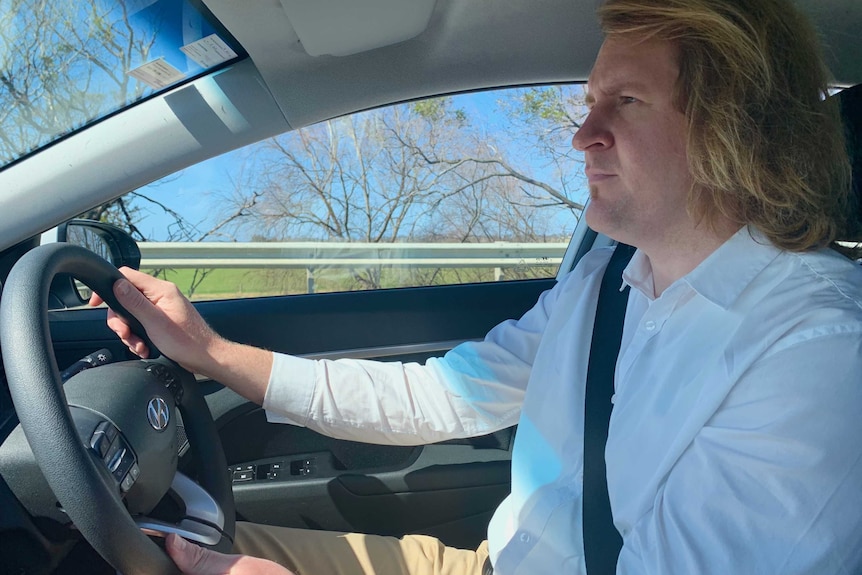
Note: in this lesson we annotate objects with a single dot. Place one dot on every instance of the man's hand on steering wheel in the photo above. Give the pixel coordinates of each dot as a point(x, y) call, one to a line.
point(171, 322)
point(176, 328)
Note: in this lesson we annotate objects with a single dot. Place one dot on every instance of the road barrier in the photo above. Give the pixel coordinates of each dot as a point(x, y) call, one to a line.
point(315, 256)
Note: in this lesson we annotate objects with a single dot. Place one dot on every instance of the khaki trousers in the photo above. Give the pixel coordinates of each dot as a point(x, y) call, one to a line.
point(308, 552)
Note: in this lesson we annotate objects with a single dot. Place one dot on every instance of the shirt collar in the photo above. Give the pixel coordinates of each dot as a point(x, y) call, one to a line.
point(722, 276)
point(638, 275)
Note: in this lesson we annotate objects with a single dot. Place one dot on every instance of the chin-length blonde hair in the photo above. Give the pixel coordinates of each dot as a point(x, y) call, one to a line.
point(764, 147)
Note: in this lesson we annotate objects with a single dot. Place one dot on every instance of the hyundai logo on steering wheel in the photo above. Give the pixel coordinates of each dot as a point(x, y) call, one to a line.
point(158, 413)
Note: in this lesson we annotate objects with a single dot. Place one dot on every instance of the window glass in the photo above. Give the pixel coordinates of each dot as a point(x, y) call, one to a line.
point(68, 64)
point(477, 187)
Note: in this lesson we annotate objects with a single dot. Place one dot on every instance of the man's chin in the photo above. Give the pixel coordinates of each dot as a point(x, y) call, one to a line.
point(596, 215)
point(601, 219)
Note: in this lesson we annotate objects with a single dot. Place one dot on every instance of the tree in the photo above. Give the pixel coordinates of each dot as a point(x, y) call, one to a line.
point(524, 167)
point(413, 172)
point(347, 180)
point(55, 75)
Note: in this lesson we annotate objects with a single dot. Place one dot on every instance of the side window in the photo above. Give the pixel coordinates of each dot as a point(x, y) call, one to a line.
point(471, 188)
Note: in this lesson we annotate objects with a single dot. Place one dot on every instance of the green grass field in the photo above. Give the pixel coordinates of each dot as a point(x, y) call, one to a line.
point(209, 284)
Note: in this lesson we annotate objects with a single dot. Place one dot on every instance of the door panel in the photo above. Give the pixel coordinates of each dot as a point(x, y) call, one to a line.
point(448, 490)
point(317, 323)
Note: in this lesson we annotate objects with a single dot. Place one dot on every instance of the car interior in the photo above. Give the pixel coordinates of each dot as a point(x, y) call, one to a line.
point(294, 64)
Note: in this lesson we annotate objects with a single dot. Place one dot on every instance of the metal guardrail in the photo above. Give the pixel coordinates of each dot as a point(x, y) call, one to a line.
point(319, 255)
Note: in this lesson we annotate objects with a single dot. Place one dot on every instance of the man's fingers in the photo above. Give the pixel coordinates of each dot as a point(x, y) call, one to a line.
point(194, 560)
point(143, 282)
point(137, 305)
point(129, 339)
point(131, 298)
point(139, 279)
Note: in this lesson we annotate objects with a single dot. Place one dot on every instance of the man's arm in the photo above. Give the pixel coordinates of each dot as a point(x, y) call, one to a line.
point(475, 389)
point(174, 326)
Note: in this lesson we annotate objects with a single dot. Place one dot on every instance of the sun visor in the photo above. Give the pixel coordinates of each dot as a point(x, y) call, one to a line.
point(344, 27)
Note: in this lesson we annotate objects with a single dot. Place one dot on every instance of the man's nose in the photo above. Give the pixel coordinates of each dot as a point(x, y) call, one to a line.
point(593, 134)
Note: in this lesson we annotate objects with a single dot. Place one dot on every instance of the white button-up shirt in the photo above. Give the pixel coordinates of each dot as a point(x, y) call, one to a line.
point(735, 441)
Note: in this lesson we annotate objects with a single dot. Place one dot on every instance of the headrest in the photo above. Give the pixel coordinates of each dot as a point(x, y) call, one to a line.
point(850, 101)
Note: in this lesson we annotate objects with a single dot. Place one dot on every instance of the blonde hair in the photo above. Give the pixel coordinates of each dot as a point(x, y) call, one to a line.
point(764, 148)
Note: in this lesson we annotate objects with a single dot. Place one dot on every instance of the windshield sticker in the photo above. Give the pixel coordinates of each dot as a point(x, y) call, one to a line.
point(208, 52)
point(157, 74)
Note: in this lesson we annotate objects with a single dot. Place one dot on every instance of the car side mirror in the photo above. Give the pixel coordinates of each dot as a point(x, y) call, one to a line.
point(106, 240)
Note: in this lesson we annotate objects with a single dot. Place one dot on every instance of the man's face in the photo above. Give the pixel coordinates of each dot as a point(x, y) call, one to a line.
point(634, 141)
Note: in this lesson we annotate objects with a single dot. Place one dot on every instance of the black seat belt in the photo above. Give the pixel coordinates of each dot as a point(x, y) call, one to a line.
point(602, 541)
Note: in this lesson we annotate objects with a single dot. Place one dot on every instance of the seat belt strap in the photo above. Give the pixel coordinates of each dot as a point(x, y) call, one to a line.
point(602, 541)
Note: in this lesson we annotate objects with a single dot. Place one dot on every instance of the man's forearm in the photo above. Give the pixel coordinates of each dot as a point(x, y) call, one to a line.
point(243, 368)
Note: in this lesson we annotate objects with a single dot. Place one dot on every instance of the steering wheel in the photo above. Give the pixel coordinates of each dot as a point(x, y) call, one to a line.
point(106, 441)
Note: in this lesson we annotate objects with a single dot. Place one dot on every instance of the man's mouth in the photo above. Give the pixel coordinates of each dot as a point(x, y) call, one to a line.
point(595, 176)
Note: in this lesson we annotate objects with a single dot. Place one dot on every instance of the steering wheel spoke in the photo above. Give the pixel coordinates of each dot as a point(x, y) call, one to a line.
point(203, 518)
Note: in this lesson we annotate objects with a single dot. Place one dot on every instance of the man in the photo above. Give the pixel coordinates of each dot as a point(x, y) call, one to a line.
point(731, 445)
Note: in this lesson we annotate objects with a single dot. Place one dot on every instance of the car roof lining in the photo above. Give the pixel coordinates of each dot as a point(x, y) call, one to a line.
point(467, 45)
point(329, 27)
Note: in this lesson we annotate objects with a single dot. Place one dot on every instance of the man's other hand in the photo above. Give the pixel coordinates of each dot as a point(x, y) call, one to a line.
point(194, 560)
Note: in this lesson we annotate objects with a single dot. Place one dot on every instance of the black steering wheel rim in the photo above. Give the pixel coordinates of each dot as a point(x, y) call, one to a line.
point(37, 392)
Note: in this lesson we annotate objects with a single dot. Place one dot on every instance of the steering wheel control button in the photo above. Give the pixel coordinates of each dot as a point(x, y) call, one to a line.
point(102, 437)
point(132, 475)
point(119, 458)
point(117, 453)
point(158, 413)
point(124, 465)
point(100, 444)
point(113, 455)
point(169, 379)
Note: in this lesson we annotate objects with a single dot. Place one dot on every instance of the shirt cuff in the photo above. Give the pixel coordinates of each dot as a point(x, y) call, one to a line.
point(290, 389)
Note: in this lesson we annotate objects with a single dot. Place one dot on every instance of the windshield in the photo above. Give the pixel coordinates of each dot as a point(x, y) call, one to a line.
point(66, 65)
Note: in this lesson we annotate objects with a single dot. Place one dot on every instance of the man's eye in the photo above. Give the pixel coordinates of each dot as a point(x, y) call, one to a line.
point(628, 100)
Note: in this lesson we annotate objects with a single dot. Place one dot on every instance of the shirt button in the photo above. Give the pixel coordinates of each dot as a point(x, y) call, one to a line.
point(525, 537)
point(649, 325)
